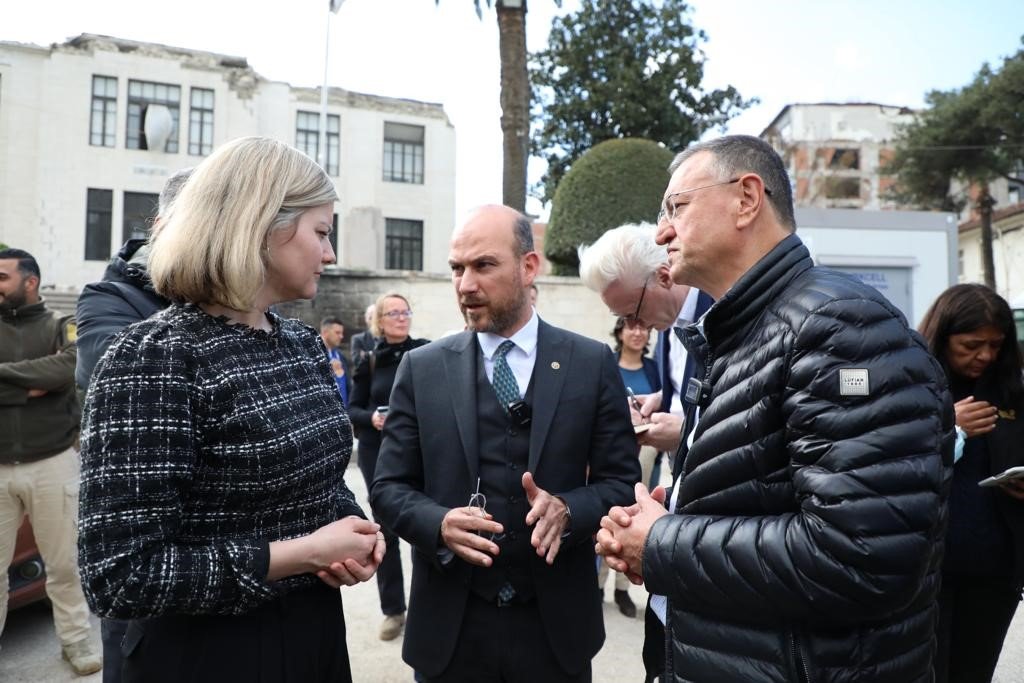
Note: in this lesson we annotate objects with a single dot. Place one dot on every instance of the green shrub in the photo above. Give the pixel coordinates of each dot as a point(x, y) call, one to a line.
point(614, 182)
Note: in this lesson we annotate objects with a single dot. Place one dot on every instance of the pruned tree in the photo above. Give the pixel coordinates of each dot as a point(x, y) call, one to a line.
point(973, 134)
point(515, 97)
point(616, 182)
point(622, 68)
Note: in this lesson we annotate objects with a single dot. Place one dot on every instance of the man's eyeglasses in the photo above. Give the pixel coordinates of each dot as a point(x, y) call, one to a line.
point(634, 320)
point(394, 315)
point(668, 212)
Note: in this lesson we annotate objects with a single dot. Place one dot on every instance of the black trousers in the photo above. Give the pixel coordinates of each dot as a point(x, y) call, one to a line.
point(111, 634)
point(653, 652)
point(974, 614)
point(504, 645)
point(298, 638)
point(390, 582)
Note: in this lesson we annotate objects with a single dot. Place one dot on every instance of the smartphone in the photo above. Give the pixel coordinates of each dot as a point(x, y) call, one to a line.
point(383, 410)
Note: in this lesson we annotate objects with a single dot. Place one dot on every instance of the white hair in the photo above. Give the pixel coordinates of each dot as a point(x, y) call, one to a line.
point(627, 254)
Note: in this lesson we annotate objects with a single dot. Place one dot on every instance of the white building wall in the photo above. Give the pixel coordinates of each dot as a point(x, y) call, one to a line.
point(47, 163)
point(923, 242)
point(1007, 254)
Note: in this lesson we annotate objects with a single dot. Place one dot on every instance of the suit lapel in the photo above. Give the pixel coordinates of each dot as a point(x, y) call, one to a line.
point(549, 370)
point(460, 371)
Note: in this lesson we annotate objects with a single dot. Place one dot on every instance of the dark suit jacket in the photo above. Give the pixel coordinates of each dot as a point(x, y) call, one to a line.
point(362, 344)
point(582, 448)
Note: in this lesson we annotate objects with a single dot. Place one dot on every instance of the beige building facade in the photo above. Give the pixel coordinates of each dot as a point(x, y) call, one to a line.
point(836, 153)
point(1007, 252)
point(91, 128)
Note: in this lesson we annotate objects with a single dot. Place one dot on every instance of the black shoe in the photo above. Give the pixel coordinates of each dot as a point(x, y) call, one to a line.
point(626, 605)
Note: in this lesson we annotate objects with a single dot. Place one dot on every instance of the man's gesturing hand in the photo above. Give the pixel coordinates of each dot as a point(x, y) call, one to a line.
point(459, 531)
point(550, 514)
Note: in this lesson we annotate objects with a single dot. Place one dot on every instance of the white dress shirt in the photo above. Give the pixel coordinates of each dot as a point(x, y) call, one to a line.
point(521, 358)
point(677, 352)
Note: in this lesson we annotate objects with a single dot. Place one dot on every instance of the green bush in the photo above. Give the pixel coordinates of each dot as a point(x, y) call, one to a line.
point(614, 182)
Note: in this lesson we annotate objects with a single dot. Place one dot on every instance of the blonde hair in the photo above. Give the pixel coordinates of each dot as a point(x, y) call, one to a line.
point(378, 312)
point(212, 248)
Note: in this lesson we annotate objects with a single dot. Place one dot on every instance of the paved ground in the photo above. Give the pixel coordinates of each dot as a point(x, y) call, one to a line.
point(29, 652)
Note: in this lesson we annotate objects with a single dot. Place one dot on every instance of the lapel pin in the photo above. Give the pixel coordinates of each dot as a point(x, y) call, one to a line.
point(555, 365)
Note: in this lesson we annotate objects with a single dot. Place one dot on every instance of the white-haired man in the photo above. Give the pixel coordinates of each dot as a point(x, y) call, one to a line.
point(630, 271)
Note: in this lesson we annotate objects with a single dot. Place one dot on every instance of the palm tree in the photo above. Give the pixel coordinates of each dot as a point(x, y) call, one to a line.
point(515, 97)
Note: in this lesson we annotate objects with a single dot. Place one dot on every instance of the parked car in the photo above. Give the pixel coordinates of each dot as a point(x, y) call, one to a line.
point(27, 575)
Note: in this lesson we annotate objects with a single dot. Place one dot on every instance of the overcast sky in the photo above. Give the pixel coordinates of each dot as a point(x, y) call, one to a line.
point(783, 51)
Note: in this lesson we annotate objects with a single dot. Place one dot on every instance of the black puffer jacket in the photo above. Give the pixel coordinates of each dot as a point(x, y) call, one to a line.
point(807, 544)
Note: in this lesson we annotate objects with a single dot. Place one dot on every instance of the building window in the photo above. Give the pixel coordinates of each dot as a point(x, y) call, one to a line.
point(97, 224)
point(142, 94)
point(307, 138)
point(103, 120)
point(200, 122)
point(403, 153)
point(139, 211)
point(842, 188)
point(845, 159)
point(403, 244)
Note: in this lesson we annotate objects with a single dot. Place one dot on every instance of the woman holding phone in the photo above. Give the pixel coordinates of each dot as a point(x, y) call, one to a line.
point(371, 391)
point(970, 330)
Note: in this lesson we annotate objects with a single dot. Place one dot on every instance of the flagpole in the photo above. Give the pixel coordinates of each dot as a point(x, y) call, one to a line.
point(322, 147)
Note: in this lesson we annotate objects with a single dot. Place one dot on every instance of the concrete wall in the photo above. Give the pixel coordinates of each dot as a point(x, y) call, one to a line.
point(562, 301)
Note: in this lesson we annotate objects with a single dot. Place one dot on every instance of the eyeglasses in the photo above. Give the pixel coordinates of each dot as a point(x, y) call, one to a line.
point(394, 315)
point(478, 504)
point(634, 320)
point(670, 212)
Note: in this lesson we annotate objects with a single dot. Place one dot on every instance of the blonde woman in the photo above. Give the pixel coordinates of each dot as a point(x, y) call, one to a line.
point(213, 510)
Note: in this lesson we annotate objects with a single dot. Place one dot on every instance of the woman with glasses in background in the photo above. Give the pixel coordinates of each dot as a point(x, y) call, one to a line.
point(970, 330)
point(371, 391)
point(639, 374)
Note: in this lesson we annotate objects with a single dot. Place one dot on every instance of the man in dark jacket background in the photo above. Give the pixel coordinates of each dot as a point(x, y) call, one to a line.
point(124, 296)
point(805, 543)
point(38, 449)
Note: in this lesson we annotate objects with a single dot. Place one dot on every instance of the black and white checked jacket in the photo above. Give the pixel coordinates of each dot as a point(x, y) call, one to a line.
point(203, 442)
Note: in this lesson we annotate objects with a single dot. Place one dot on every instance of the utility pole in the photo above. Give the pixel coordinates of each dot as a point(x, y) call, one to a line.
point(988, 266)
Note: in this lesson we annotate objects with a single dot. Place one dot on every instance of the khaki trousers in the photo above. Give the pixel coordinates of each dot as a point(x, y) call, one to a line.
point(48, 491)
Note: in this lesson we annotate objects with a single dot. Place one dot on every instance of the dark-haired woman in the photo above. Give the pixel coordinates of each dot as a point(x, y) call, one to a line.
point(970, 330)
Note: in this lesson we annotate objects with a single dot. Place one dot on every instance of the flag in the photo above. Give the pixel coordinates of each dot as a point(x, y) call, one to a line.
point(335, 5)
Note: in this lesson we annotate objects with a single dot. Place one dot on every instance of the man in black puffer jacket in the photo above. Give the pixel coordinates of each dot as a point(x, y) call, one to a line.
point(811, 500)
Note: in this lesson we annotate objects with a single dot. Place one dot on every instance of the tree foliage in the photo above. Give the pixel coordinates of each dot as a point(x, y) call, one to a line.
point(616, 182)
point(974, 134)
point(622, 68)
